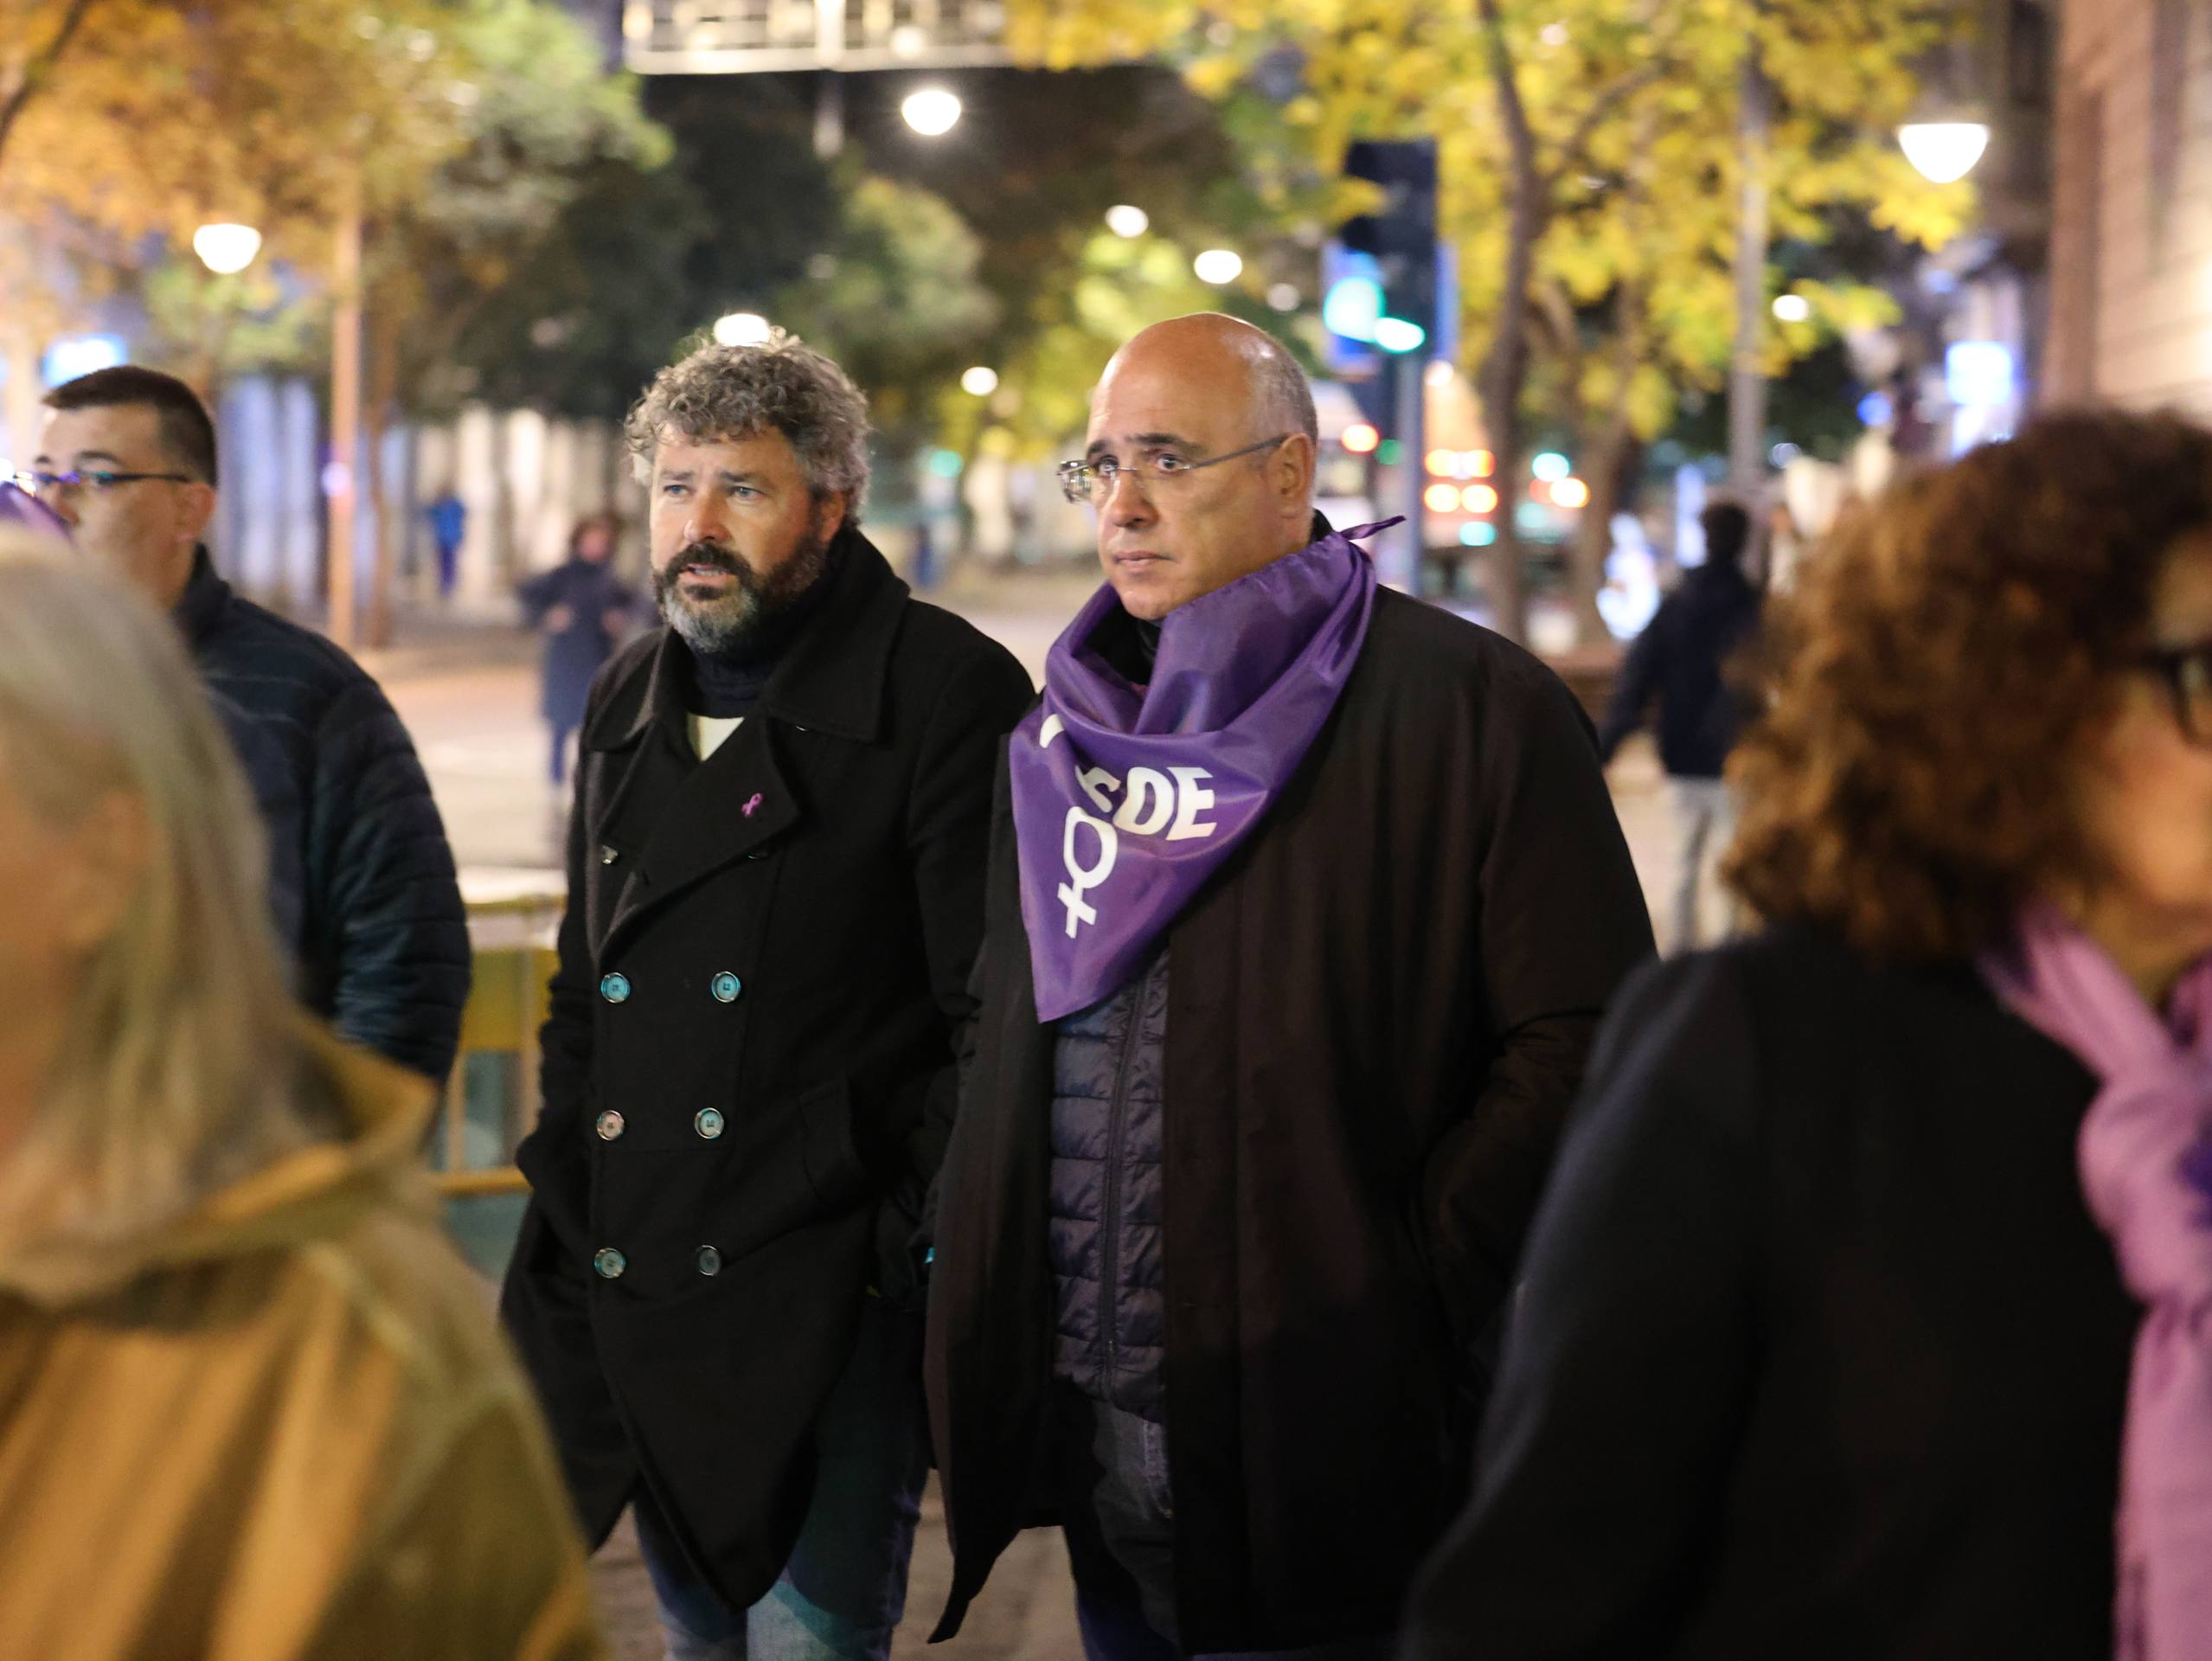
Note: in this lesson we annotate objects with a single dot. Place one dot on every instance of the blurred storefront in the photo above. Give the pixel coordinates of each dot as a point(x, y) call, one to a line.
point(2132, 241)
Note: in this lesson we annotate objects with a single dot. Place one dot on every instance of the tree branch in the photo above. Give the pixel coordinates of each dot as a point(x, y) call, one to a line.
point(34, 72)
point(1570, 154)
point(1659, 61)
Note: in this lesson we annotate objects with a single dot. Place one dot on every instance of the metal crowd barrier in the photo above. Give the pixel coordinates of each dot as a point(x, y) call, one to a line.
point(491, 1100)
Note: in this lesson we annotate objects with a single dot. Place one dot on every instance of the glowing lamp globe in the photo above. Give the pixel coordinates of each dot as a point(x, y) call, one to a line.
point(1944, 152)
point(932, 111)
point(227, 249)
point(1218, 266)
point(741, 328)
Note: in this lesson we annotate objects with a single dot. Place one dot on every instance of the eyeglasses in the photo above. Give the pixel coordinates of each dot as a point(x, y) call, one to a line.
point(97, 479)
point(1093, 481)
point(2187, 672)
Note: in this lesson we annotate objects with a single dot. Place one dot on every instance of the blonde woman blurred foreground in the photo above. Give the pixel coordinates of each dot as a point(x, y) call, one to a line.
point(251, 1403)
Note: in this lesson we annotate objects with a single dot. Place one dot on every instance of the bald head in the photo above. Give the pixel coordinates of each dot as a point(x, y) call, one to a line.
point(1209, 424)
point(1226, 357)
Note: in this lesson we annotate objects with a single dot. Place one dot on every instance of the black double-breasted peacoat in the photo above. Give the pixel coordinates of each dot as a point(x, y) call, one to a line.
point(1380, 1010)
point(761, 965)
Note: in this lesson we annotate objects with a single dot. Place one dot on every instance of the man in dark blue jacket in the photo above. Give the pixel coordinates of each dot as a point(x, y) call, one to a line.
point(1679, 659)
point(127, 459)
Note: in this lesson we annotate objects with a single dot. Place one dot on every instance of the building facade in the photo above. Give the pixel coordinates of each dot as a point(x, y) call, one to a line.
point(2131, 235)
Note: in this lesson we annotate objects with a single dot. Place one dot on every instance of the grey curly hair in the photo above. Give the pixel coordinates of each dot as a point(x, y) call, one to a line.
point(780, 386)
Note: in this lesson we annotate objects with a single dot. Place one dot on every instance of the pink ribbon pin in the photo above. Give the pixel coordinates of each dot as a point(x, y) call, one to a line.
point(751, 804)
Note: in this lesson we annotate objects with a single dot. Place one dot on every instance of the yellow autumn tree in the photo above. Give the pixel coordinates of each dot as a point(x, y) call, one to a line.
point(1588, 166)
point(133, 122)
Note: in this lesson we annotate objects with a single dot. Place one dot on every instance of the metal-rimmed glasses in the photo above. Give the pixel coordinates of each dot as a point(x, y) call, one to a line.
point(94, 478)
point(2186, 672)
point(1093, 481)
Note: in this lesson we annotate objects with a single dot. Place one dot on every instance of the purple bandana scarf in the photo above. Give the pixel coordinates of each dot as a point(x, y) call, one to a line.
point(2145, 1160)
point(1127, 797)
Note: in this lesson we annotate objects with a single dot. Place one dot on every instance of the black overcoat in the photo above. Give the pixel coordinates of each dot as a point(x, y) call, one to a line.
point(762, 963)
point(1820, 1354)
point(1379, 1013)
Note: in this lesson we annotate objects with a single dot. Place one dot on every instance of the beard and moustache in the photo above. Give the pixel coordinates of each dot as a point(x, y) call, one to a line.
point(747, 618)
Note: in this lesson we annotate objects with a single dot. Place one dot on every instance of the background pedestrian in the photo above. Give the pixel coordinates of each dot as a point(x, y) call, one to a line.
point(1680, 661)
point(583, 610)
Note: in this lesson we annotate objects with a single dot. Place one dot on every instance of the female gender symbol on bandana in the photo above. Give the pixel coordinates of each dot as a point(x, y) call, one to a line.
point(1126, 798)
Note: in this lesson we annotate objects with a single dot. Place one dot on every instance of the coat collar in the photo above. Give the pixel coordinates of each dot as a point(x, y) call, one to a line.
point(205, 596)
point(369, 1162)
point(831, 679)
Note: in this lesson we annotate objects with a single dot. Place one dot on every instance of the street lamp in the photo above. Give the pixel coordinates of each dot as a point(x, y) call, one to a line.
point(1944, 152)
point(1792, 308)
point(1218, 266)
point(980, 381)
point(932, 111)
point(225, 248)
point(1127, 220)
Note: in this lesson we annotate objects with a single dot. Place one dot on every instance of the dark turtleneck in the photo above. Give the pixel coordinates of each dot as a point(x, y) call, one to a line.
point(728, 682)
point(1129, 646)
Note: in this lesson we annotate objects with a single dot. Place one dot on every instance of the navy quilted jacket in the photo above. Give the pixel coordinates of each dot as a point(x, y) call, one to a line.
point(383, 940)
point(284, 816)
point(1109, 1292)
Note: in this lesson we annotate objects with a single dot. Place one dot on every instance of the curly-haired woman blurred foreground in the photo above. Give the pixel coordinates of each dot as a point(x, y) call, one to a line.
point(1868, 1315)
point(251, 1404)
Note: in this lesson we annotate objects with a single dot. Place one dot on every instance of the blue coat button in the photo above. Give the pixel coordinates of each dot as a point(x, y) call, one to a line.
point(609, 1263)
point(711, 1260)
point(615, 988)
point(609, 1125)
point(708, 1121)
point(726, 987)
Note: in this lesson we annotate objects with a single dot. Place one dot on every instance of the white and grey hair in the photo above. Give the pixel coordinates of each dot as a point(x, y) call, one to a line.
point(780, 385)
point(1283, 396)
point(178, 1068)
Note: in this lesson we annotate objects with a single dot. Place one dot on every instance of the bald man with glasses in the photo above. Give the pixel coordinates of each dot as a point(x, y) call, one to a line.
point(1305, 899)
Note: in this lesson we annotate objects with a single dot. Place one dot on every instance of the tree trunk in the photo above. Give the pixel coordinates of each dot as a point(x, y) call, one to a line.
point(26, 76)
point(383, 395)
point(1612, 460)
point(1504, 372)
point(1747, 370)
point(345, 412)
point(1611, 456)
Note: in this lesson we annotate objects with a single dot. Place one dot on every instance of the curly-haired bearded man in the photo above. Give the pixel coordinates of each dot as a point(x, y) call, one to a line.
point(775, 871)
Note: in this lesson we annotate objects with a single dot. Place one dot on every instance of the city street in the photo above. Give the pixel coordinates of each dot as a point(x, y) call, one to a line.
point(479, 733)
point(1841, 374)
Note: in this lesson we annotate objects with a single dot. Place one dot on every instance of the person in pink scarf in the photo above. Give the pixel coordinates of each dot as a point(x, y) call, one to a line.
point(1868, 1313)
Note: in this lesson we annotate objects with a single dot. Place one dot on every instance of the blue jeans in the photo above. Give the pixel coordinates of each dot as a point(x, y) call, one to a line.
point(1118, 1507)
point(845, 1589)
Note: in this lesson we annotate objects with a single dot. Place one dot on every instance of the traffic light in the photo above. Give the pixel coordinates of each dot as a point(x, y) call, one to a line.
point(1401, 239)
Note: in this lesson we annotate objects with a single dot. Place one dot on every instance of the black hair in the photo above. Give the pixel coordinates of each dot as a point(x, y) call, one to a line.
point(187, 431)
point(1727, 532)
